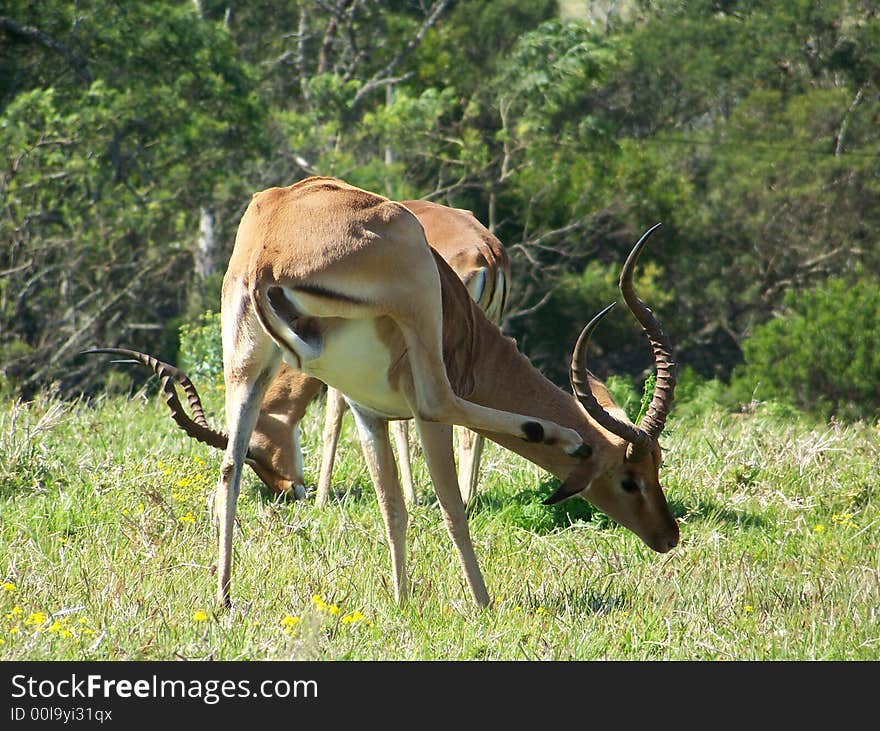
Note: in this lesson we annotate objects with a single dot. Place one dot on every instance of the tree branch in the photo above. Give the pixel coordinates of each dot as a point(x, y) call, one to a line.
point(27, 32)
point(380, 78)
point(838, 143)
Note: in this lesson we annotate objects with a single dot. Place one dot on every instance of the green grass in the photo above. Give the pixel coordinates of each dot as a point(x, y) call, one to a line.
point(108, 553)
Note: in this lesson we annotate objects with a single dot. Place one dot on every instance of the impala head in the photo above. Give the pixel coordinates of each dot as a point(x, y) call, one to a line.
point(622, 477)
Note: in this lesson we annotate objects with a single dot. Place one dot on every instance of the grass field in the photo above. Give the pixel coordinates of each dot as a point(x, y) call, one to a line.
point(107, 551)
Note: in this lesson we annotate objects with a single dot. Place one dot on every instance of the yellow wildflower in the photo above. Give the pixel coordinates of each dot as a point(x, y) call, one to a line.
point(749, 608)
point(333, 609)
point(8, 586)
point(17, 611)
point(13, 630)
point(188, 518)
point(289, 621)
point(36, 618)
point(200, 616)
point(55, 626)
point(353, 617)
point(66, 633)
point(818, 528)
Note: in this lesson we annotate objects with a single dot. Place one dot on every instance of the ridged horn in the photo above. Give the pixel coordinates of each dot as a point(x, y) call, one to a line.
point(641, 438)
point(195, 426)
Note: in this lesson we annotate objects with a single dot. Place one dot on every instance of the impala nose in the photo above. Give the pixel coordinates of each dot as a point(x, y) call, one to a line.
point(666, 541)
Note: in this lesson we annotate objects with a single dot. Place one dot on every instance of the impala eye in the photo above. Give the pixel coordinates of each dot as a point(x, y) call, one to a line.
point(630, 485)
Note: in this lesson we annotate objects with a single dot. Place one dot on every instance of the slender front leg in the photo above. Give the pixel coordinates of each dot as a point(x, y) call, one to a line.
point(400, 430)
point(383, 471)
point(470, 451)
point(243, 396)
point(437, 448)
point(335, 410)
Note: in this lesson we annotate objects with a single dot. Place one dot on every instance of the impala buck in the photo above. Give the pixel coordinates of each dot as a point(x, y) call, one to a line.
point(341, 284)
point(482, 264)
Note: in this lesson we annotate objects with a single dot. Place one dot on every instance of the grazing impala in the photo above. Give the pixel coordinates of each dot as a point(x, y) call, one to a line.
point(479, 260)
point(341, 284)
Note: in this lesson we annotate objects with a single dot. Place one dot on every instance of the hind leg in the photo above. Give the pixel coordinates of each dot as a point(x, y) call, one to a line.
point(380, 462)
point(334, 411)
point(432, 397)
point(400, 431)
point(437, 447)
point(470, 452)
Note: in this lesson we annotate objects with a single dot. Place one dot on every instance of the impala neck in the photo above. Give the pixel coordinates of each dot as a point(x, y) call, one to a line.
point(485, 367)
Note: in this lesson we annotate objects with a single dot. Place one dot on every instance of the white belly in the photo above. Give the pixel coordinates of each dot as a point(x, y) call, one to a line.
point(355, 361)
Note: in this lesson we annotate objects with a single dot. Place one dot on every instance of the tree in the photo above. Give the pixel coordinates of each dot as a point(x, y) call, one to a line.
point(111, 163)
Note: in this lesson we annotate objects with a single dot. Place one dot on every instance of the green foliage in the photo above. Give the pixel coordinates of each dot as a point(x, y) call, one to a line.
point(617, 345)
point(821, 353)
point(749, 129)
point(450, 52)
point(696, 396)
point(551, 70)
point(107, 172)
point(201, 348)
point(623, 390)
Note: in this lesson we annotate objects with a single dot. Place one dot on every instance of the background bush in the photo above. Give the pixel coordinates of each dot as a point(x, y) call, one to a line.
point(201, 348)
point(820, 354)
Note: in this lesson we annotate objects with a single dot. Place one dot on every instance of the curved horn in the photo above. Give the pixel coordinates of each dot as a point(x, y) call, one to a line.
point(197, 425)
point(664, 389)
point(642, 437)
point(579, 371)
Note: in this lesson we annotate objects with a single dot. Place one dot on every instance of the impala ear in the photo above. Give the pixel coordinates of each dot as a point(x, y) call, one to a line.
point(563, 492)
point(578, 481)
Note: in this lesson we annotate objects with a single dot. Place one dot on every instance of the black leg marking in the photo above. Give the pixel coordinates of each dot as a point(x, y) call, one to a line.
point(533, 431)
